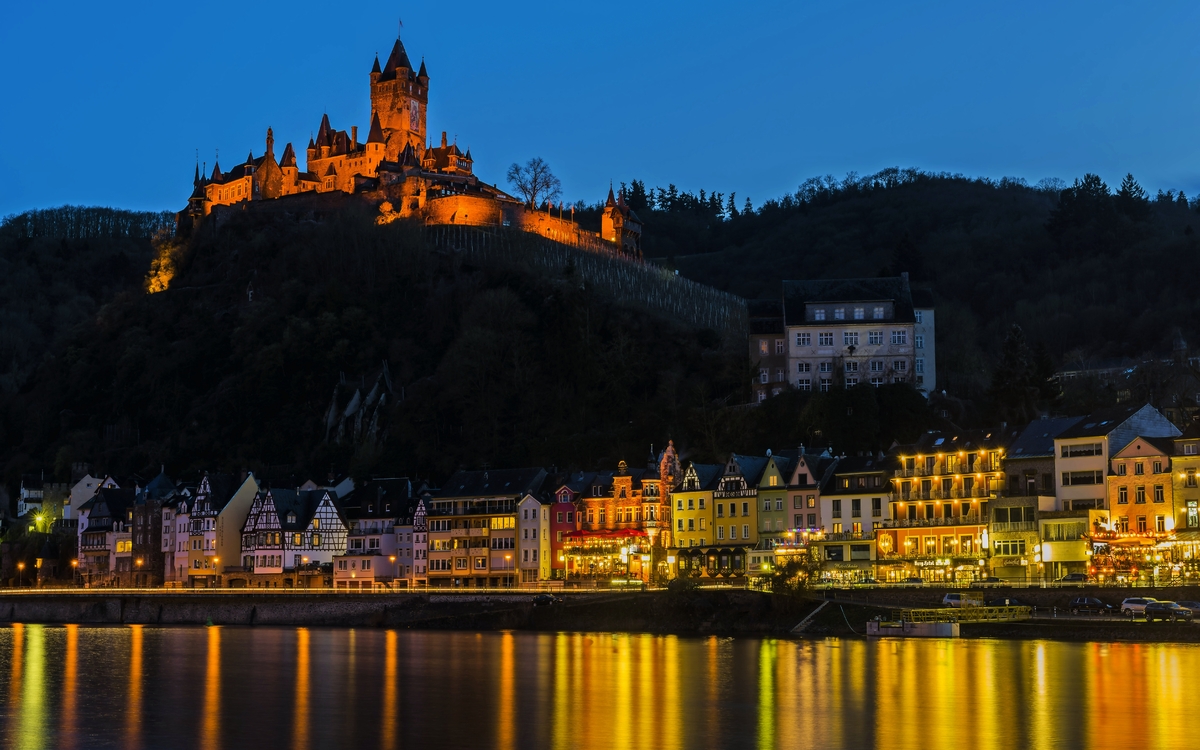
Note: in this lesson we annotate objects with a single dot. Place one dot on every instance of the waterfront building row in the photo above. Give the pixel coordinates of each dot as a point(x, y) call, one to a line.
point(1112, 495)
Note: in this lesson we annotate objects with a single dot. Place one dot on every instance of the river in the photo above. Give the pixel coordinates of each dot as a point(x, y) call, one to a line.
point(151, 687)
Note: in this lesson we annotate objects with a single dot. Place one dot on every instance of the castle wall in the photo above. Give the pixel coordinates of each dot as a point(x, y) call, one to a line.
point(551, 227)
point(466, 210)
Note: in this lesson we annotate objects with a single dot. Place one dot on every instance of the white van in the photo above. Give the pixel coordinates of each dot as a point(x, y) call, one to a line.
point(962, 600)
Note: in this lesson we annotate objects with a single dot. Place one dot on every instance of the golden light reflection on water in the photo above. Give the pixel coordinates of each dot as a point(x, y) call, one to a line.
point(33, 717)
point(300, 720)
point(69, 727)
point(506, 718)
point(133, 707)
point(210, 732)
point(387, 738)
point(573, 690)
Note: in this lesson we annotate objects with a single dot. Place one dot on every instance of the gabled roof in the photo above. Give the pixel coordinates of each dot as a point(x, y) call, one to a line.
point(303, 504)
point(1165, 446)
point(708, 475)
point(492, 483)
point(1101, 422)
point(797, 294)
point(160, 487)
point(751, 467)
point(1037, 439)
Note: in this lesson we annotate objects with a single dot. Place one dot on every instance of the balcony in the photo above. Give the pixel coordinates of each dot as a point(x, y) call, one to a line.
point(848, 536)
point(973, 519)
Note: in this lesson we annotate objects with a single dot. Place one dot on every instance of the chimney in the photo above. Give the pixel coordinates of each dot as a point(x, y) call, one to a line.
point(443, 139)
point(353, 137)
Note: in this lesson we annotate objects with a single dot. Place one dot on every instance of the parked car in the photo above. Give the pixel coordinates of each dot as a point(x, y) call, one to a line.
point(986, 583)
point(1166, 611)
point(1193, 606)
point(1090, 605)
point(542, 600)
point(962, 600)
point(1008, 601)
point(1134, 606)
point(1073, 579)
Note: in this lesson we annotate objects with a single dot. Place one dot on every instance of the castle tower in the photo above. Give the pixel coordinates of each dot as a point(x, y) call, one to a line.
point(399, 98)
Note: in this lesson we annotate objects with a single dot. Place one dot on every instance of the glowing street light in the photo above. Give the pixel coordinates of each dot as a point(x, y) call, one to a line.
point(20, 574)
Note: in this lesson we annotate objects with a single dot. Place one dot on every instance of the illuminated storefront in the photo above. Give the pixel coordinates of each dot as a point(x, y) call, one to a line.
point(608, 555)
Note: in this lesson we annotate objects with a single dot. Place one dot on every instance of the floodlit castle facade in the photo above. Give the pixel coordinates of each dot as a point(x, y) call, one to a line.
point(397, 168)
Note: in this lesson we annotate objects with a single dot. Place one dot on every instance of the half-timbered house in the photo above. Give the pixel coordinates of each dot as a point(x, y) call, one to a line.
point(216, 517)
point(290, 538)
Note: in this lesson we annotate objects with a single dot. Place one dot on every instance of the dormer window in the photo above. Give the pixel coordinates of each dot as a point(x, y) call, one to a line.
point(819, 314)
point(839, 313)
point(291, 517)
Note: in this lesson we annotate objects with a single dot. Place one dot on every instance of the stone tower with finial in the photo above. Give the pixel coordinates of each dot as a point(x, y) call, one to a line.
point(399, 98)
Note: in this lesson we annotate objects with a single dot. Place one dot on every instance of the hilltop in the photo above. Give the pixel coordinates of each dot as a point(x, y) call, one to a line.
point(1090, 272)
point(267, 329)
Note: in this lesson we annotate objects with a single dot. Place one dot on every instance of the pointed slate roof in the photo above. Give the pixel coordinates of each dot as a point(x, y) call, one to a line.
point(325, 132)
point(398, 59)
point(289, 156)
point(375, 67)
point(422, 73)
point(216, 173)
point(160, 486)
point(376, 134)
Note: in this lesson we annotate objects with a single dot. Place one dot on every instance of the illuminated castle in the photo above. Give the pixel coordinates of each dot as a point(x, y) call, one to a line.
point(396, 168)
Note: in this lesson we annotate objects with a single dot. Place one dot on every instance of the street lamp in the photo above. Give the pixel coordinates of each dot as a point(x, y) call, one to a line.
point(20, 574)
point(508, 565)
point(138, 563)
point(75, 572)
point(392, 558)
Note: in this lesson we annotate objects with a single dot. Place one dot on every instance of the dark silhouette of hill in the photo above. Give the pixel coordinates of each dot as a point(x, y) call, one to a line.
point(1088, 272)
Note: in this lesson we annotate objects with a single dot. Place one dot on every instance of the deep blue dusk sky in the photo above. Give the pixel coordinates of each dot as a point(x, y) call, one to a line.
point(107, 103)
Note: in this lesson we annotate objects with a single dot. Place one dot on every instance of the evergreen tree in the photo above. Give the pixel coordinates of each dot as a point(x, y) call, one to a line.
point(637, 198)
point(1014, 390)
point(731, 209)
point(1131, 199)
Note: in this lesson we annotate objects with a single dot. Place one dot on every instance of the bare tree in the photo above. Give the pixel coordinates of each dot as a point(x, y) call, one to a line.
point(534, 181)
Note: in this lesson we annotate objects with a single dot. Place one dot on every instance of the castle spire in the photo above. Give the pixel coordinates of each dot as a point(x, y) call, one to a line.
point(398, 59)
point(376, 134)
point(196, 179)
point(270, 143)
point(422, 73)
point(611, 200)
point(375, 67)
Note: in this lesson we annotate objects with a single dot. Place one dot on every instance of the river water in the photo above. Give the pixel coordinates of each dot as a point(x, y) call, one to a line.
point(171, 687)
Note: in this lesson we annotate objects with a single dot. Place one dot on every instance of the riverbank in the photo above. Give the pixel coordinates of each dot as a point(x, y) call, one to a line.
point(734, 612)
point(703, 612)
point(850, 620)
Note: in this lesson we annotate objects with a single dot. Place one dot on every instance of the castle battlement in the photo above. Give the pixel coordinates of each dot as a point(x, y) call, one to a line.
point(398, 169)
